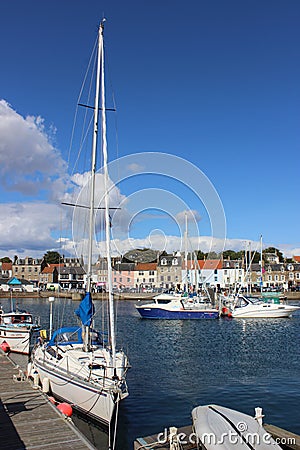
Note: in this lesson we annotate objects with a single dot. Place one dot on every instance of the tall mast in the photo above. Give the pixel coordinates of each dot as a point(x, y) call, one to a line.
point(186, 253)
point(93, 167)
point(261, 265)
point(106, 202)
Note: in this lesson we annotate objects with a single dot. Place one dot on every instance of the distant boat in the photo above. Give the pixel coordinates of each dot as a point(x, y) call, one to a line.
point(18, 331)
point(79, 366)
point(251, 307)
point(167, 306)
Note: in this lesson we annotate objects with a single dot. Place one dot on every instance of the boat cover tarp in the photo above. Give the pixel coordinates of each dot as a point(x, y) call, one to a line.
point(86, 310)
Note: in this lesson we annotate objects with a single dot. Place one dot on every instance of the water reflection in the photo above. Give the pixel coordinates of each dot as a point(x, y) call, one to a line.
point(177, 365)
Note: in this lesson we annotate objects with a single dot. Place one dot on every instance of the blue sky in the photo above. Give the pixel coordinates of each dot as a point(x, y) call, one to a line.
point(213, 82)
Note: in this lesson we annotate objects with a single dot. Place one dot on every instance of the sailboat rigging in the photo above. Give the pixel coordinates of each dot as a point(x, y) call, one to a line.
point(79, 365)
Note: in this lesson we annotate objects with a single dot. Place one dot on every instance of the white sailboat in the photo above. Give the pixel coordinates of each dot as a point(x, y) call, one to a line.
point(79, 367)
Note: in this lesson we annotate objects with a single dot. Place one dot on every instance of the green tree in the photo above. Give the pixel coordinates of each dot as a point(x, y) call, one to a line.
point(5, 259)
point(200, 254)
point(52, 257)
point(230, 254)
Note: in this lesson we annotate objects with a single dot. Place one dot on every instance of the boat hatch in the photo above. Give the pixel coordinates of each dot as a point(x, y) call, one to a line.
point(95, 366)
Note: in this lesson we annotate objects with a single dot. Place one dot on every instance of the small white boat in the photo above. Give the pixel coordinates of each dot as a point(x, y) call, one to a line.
point(18, 331)
point(252, 307)
point(217, 427)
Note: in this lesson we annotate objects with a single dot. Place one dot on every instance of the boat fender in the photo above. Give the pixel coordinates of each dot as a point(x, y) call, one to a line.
point(29, 368)
point(52, 400)
point(66, 409)
point(46, 385)
point(36, 380)
point(5, 347)
point(43, 334)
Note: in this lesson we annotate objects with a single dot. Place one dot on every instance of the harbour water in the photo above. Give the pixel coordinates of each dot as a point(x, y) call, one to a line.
point(177, 365)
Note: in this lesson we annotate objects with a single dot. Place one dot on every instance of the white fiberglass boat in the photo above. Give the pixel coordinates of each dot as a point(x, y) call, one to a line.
point(18, 331)
point(217, 427)
point(79, 366)
point(90, 380)
point(252, 307)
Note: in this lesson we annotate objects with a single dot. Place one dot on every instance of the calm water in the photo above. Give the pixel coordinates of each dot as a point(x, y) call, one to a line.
point(177, 365)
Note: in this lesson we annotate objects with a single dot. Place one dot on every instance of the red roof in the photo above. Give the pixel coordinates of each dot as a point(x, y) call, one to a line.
point(146, 266)
point(211, 264)
point(296, 259)
point(208, 264)
point(6, 266)
point(50, 268)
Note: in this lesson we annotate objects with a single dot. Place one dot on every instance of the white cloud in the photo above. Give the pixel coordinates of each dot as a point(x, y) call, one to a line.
point(28, 161)
point(30, 164)
point(26, 229)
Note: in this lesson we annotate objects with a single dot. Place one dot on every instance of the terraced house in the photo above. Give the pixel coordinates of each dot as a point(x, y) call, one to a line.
point(28, 268)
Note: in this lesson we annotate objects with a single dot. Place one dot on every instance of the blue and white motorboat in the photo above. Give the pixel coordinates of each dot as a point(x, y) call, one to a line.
point(168, 306)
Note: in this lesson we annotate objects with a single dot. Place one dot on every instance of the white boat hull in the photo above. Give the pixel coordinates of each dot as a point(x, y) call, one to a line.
point(18, 338)
point(217, 427)
point(267, 311)
point(93, 393)
point(97, 404)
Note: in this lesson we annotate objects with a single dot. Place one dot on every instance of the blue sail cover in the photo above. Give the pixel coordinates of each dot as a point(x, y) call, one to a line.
point(86, 310)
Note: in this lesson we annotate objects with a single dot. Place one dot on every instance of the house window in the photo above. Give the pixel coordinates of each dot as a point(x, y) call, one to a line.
point(175, 262)
point(164, 262)
point(291, 276)
point(161, 278)
point(151, 272)
point(141, 272)
point(128, 280)
point(225, 272)
point(169, 278)
point(276, 278)
point(270, 277)
point(115, 280)
point(282, 278)
point(298, 276)
point(151, 280)
point(120, 280)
